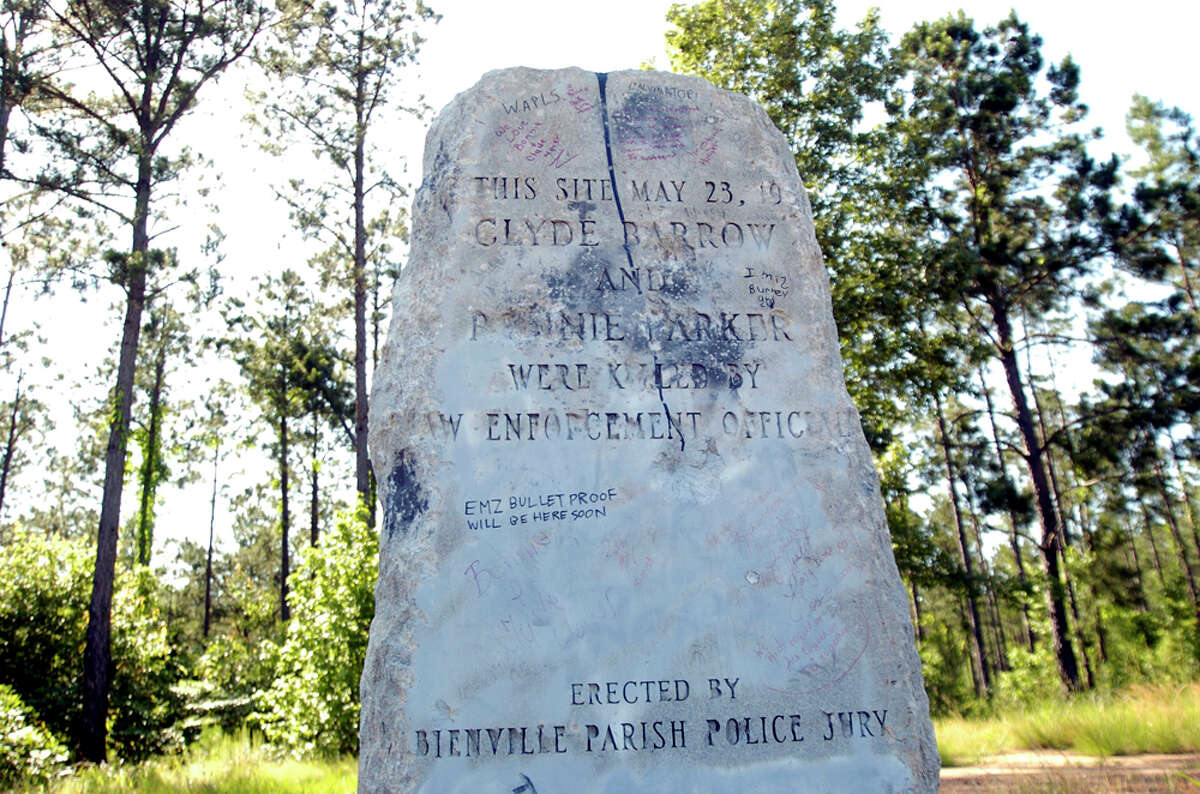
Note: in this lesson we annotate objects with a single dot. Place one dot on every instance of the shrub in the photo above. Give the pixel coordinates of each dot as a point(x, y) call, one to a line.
point(28, 752)
point(313, 705)
point(43, 619)
point(1032, 679)
point(145, 706)
point(46, 583)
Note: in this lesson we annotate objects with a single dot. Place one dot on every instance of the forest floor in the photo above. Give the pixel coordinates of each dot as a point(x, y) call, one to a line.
point(1071, 773)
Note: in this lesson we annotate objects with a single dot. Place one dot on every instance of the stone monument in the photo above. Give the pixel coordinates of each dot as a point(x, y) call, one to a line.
point(632, 538)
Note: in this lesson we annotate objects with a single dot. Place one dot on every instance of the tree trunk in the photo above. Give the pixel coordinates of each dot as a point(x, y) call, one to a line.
point(1101, 637)
point(8, 80)
point(1050, 545)
point(1139, 580)
point(7, 295)
point(212, 521)
point(999, 659)
point(1079, 635)
point(10, 446)
point(1149, 523)
point(1188, 287)
point(362, 464)
point(1143, 605)
point(97, 654)
point(1064, 536)
point(1002, 662)
point(376, 316)
point(978, 657)
point(1013, 539)
point(1043, 442)
point(284, 519)
point(314, 517)
point(916, 602)
point(1082, 522)
point(150, 464)
point(1052, 469)
point(1083, 519)
point(1173, 524)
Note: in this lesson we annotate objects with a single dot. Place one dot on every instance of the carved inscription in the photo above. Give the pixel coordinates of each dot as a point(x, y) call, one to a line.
point(586, 735)
point(599, 392)
point(629, 424)
point(762, 320)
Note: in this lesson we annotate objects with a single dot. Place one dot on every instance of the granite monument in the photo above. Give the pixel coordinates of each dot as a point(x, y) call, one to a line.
point(632, 538)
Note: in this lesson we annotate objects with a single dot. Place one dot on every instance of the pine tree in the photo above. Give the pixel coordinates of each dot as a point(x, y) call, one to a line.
point(294, 374)
point(338, 64)
point(1009, 197)
point(155, 56)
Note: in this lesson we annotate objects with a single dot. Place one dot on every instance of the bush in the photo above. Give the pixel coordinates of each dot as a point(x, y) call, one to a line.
point(43, 619)
point(28, 752)
point(145, 706)
point(43, 616)
point(1032, 679)
point(313, 705)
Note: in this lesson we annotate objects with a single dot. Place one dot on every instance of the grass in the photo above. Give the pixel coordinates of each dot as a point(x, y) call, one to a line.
point(217, 763)
point(1158, 719)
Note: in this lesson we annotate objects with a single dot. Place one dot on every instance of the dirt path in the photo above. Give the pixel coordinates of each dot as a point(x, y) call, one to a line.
point(1068, 773)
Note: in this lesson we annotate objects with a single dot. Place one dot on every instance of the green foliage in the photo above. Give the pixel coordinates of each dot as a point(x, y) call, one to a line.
point(231, 672)
point(1160, 238)
point(818, 82)
point(313, 705)
point(293, 371)
point(145, 708)
point(813, 78)
point(1030, 680)
point(920, 560)
point(43, 611)
point(28, 752)
point(945, 661)
point(1009, 214)
point(43, 614)
point(156, 428)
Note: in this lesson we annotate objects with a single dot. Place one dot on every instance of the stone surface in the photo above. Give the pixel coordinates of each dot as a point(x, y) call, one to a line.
point(632, 536)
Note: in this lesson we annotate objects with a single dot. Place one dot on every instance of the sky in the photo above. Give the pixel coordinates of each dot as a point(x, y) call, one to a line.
point(1145, 47)
point(1121, 49)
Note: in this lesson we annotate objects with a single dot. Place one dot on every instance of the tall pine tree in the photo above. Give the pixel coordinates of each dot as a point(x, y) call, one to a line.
point(154, 57)
point(1009, 199)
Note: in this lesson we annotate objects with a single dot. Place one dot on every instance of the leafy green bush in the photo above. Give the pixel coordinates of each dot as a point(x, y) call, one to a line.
point(230, 673)
point(313, 705)
point(145, 707)
point(28, 752)
point(947, 670)
point(1032, 679)
point(46, 583)
point(43, 619)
